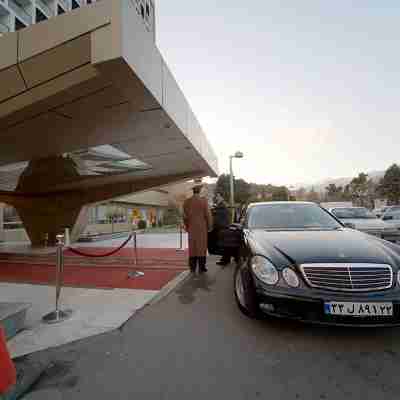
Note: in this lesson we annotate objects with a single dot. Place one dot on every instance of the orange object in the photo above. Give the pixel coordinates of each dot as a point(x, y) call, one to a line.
point(8, 375)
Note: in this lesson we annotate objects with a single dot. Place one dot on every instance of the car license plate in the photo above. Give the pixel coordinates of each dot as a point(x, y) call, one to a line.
point(359, 309)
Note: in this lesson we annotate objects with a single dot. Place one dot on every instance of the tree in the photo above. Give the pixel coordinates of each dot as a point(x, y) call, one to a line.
point(242, 189)
point(334, 193)
point(172, 215)
point(301, 194)
point(222, 186)
point(389, 185)
point(362, 190)
point(280, 193)
point(313, 196)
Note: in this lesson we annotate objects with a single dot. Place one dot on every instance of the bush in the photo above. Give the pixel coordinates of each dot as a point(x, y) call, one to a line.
point(172, 216)
point(142, 224)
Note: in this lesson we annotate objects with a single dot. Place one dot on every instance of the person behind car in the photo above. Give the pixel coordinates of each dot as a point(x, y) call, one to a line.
point(221, 217)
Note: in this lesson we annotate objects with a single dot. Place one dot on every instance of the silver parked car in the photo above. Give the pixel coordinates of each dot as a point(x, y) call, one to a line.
point(389, 210)
point(392, 219)
point(380, 211)
point(364, 220)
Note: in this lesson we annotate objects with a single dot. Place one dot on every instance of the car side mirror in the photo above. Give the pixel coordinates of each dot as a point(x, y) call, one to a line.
point(349, 225)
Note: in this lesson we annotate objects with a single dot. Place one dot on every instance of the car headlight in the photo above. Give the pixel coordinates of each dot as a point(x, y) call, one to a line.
point(290, 277)
point(264, 270)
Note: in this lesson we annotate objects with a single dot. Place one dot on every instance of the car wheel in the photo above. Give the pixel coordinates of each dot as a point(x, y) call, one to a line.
point(245, 294)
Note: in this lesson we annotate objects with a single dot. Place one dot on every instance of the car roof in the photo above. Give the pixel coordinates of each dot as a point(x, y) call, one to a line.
point(267, 203)
point(334, 208)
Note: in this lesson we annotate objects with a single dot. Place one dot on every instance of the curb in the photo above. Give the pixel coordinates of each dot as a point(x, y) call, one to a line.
point(168, 288)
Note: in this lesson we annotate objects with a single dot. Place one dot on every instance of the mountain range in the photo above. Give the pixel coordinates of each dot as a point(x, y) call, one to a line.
point(320, 186)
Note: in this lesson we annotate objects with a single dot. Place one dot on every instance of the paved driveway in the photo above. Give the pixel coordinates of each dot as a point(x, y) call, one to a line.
point(195, 344)
point(146, 240)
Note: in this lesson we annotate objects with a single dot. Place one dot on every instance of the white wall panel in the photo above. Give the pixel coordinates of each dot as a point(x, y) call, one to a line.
point(139, 50)
point(174, 101)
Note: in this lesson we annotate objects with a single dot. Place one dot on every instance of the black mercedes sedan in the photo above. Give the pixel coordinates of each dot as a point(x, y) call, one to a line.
point(298, 261)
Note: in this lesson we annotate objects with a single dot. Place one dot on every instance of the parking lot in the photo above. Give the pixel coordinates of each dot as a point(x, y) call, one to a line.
point(195, 343)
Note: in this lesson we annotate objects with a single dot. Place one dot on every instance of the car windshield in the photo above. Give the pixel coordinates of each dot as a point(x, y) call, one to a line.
point(354, 213)
point(288, 216)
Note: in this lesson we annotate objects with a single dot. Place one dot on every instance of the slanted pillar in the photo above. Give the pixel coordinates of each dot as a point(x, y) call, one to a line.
point(50, 213)
point(51, 216)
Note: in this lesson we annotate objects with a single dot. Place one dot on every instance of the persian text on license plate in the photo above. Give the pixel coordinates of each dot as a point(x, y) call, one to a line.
point(359, 309)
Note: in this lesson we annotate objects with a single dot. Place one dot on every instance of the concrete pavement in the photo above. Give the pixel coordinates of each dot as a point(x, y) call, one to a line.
point(196, 344)
point(146, 240)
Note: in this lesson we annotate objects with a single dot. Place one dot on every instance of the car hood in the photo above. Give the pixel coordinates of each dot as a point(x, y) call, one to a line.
point(361, 223)
point(298, 247)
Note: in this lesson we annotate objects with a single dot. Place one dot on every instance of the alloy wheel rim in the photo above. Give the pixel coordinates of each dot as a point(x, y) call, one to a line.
point(240, 289)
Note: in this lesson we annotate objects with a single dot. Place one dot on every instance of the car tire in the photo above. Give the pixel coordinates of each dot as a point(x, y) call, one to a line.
point(245, 293)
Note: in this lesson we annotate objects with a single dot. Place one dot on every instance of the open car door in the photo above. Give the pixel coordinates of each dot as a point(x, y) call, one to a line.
point(224, 240)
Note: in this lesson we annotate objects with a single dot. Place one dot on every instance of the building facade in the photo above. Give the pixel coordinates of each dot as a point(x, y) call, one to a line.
point(94, 111)
point(18, 14)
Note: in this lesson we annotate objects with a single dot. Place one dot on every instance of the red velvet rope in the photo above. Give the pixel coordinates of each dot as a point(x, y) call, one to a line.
point(80, 253)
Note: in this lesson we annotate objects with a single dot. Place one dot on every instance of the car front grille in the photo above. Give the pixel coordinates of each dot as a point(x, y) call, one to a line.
point(348, 277)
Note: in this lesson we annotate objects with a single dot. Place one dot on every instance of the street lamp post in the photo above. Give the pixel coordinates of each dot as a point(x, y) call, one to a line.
point(238, 154)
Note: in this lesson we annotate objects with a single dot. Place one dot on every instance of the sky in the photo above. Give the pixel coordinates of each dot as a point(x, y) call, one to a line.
point(307, 90)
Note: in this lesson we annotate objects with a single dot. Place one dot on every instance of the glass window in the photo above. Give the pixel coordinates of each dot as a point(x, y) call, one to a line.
point(353, 212)
point(290, 216)
point(19, 25)
point(40, 16)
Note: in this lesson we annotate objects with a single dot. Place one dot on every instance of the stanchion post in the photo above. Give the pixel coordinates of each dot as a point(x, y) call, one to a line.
point(58, 315)
point(134, 248)
point(67, 238)
point(135, 273)
point(180, 238)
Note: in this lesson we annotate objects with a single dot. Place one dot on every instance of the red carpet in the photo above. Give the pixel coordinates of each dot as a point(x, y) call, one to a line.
point(128, 252)
point(159, 266)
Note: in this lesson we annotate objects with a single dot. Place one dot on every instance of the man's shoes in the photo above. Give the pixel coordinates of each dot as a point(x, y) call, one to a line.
point(203, 269)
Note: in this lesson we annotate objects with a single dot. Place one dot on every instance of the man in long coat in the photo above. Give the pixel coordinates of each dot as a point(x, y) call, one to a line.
point(197, 220)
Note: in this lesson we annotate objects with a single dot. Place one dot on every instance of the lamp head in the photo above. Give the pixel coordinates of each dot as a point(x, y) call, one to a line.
point(238, 154)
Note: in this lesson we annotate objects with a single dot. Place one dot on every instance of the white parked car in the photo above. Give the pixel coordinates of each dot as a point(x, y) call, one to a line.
point(380, 211)
point(392, 219)
point(389, 210)
point(364, 220)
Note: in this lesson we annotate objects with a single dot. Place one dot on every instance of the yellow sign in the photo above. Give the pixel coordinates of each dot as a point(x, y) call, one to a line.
point(136, 214)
